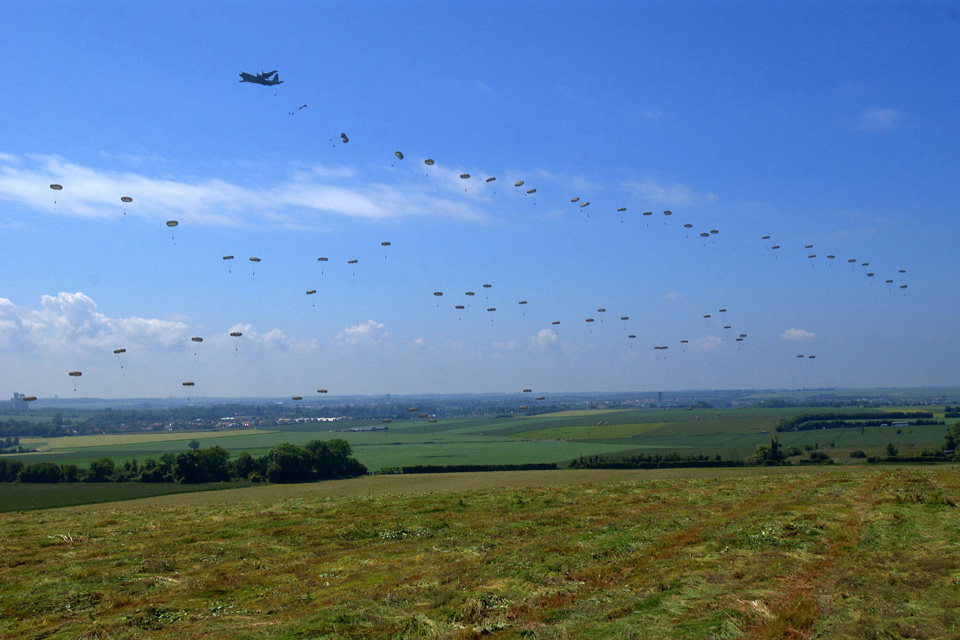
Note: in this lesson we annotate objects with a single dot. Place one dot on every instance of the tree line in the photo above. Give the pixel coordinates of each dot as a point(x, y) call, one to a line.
point(284, 463)
point(799, 423)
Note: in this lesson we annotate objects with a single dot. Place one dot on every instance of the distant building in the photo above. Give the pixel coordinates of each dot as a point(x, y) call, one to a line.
point(659, 398)
point(18, 404)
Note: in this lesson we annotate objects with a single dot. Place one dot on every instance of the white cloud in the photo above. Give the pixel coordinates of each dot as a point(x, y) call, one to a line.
point(879, 119)
point(545, 339)
point(300, 201)
point(673, 296)
point(508, 345)
point(797, 335)
point(71, 321)
point(673, 193)
point(708, 343)
point(365, 333)
point(418, 343)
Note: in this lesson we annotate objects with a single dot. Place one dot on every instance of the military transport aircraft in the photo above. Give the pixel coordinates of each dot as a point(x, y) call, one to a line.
point(262, 78)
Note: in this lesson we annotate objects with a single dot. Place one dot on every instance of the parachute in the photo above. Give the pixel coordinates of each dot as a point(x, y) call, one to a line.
point(387, 421)
point(621, 209)
point(631, 336)
point(187, 383)
point(438, 293)
point(529, 191)
point(344, 138)
point(119, 350)
point(296, 397)
point(491, 309)
point(704, 234)
point(589, 319)
point(584, 204)
point(428, 162)
point(528, 390)
point(228, 257)
point(688, 226)
point(197, 339)
point(254, 259)
point(541, 397)
point(555, 322)
point(460, 307)
point(714, 231)
point(399, 155)
point(624, 317)
point(577, 199)
point(30, 398)
point(172, 223)
point(648, 213)
point(384, 244)
point(321, 390)
point(487, 286)
point(352, 261)
point(522, 302)
point(852, 260)
point(765, 238)
point(310, 292)
point(776, 246)
point(490, 179)
point(809, 246)
point(464, 176)
point(831, 257)
point(518, 183)
point(75, 374)
point(235, 334)
point(56, 187)
point(126, 199)
point(602, 310)
point(321, 259)
point(667, 212)
point(469, 293)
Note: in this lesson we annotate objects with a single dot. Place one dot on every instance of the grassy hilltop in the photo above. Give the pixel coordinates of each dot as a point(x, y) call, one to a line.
point(846, 552)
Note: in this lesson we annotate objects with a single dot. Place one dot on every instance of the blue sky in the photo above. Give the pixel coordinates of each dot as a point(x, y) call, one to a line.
point(824, 124)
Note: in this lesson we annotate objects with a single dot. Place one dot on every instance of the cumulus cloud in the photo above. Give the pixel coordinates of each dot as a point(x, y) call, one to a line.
point(671, 193)
point(797, 335)
point(365, 333)
point(273, 340)
point(71, 320)
point(545, 339)
point(878, 119)
point(303, 199)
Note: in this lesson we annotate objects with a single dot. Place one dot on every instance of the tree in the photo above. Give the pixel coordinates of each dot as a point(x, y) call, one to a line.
point(40, 472)
point(891, 450)
point(101, 470)
point(194, 444)
point(952, 437)
point(770, 454)
point(289, 463)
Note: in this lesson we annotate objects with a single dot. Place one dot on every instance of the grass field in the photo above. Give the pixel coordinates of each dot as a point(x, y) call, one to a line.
point(848, 552)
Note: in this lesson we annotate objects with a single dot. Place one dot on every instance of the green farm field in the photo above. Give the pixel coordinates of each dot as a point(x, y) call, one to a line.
point(842, 552)
point(549, 438)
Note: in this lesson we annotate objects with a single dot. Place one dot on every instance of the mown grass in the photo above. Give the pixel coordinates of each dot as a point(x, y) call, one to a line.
point(757, 553)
